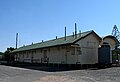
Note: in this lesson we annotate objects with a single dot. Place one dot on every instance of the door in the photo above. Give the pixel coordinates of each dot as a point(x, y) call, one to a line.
point(45, 58)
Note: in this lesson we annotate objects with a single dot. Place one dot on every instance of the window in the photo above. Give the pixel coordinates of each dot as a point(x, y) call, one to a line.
point(27, 56)
point(24, 53)
point(40, 50)
point(48, 49)
point(16, 56)
point(28, 53)
point(23, 56)
point(45, 53)
point(58, 48)
point(91, 44)
point(34, 52)
point(63, 47)
point(73, 50)
point(20, 54)
point(79, 50)
point(68, 48)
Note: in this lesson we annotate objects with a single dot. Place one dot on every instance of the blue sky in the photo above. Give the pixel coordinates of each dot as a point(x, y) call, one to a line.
point(37, 20)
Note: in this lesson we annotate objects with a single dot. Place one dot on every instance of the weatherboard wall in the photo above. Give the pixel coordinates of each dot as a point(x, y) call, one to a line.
point(57, 55)
point(85, 53)
point(89, 49)
point(111, 42)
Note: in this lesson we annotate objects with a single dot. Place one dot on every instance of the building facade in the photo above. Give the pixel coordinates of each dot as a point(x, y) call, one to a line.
point(80, 49)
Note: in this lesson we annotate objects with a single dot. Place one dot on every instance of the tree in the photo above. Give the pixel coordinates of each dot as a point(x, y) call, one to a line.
point(115, 32)
point(7, 55)
point(116, 52)
point(1, 54)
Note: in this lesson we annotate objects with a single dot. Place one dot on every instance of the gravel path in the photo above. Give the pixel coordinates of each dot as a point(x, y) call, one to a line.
point(14, 74)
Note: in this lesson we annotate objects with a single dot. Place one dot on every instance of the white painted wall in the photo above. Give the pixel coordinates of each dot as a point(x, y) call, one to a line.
point(111, 42)
point(89, 47)
point(63, 55)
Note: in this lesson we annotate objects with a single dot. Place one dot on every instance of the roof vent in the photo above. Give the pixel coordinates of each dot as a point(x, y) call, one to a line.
point(80, 33)
point(73, 34)
point(65, 33)
point(42, 41)
point(16, 40)
point(75, 30)
point(56, 37)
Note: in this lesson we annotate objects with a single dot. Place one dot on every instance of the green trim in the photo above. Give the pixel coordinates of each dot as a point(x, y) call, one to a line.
point(55, 42)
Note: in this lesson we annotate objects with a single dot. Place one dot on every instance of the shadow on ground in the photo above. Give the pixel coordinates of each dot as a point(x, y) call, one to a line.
point(47, 68)
point(42, 68)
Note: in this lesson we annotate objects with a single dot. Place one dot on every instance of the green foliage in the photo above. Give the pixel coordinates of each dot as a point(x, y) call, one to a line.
point(1, 53)
point(7, 54)
point(116, 54)
point(117, 51)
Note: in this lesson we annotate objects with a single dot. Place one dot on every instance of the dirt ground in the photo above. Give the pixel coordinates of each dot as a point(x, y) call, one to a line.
point(17, 74)
point(101, 75)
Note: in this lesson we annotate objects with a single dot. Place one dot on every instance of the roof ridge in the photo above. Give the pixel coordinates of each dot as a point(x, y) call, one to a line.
point(60, 38)
point(53, 42)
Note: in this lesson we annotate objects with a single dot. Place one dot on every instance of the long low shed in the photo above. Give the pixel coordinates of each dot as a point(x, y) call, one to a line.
point(81, 48)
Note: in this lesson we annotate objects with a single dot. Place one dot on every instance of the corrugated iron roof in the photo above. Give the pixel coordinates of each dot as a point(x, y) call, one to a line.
point(112, 37)
point(55, 42)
